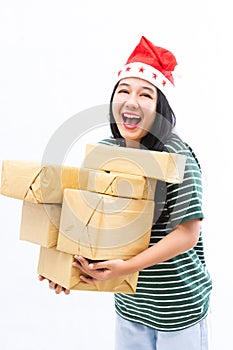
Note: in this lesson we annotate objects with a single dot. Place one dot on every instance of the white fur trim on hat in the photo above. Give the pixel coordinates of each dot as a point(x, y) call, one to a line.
point(148, 73)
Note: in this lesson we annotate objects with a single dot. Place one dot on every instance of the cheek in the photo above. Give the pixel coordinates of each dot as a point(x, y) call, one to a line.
point(115, 110)
point(148, 105)
point(119, 99)
point(116, 107)
point(149, 114)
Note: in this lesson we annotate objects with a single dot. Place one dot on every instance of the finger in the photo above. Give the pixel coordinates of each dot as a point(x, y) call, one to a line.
point(58, 289)
point(76, 264)
point(81, 268)
point(41, 278)
point(81, 260)
point(82, 264)
point(98, 265)
point(66, 291)
point(52, 285)
point(87, 279)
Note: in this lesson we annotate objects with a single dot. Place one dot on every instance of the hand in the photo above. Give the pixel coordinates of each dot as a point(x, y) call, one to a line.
point(100, 271)
point(52, 285)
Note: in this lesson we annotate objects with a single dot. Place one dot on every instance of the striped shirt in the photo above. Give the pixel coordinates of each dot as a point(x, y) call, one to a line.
point(174, 294)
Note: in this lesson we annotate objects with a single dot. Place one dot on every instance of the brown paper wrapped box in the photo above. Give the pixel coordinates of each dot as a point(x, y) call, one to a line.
point(30, 181)
point(57, 267)
point(37, 183)
point(101, 227)
point(40, 223)
point(164, 166)
point(117, 184)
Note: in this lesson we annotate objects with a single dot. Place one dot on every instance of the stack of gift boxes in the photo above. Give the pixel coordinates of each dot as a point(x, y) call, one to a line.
point(102, 210)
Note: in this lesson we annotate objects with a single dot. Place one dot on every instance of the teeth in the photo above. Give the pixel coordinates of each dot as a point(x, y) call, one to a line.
point(131, 116)
point(132, 119)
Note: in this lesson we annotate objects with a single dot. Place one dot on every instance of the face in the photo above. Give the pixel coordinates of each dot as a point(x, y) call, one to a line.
point(134, 108)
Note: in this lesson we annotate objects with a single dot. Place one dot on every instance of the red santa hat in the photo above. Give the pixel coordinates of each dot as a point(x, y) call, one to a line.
point(152, 63)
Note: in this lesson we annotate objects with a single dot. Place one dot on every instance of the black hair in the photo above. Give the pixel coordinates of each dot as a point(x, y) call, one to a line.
point(160, 131)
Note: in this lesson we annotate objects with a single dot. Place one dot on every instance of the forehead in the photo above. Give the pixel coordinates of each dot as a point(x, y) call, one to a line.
point(137, 83)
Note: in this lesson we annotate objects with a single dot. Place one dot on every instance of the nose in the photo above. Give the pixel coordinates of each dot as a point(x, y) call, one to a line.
point(131, 101)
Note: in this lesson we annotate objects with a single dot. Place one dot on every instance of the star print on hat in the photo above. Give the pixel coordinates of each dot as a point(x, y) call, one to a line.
point(152, 63)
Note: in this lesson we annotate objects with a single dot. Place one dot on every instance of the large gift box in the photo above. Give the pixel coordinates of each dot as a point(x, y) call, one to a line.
point(100, 227)
point(57, 267)
point(35, 182)
point(164, 166)
point(40, 223)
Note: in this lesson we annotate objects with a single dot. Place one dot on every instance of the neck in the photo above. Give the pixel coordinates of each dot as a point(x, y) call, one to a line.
point(132, 144)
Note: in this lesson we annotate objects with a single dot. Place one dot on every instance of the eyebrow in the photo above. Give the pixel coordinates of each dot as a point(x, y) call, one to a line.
point(143, 87)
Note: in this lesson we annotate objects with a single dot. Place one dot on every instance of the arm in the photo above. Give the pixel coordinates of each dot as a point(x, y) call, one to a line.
point(181, 239)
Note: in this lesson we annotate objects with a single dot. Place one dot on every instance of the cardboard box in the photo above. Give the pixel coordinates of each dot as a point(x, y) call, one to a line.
point(57, 267)
point(101, 227)
point(40, 223)
point(32, 181)
point(164, 166)
point(117, 184)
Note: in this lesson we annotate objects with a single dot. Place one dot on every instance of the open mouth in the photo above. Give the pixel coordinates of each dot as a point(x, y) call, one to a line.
point(131, 120)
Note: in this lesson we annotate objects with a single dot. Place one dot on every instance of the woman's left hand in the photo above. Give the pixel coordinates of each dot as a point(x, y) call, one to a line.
point(100, 271)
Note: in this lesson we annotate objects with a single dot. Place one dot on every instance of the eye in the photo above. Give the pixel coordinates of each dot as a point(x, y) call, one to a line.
point(147, 95)
point(123, 91)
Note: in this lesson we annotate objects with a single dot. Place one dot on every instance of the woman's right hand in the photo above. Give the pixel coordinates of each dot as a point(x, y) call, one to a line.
point(56, 287)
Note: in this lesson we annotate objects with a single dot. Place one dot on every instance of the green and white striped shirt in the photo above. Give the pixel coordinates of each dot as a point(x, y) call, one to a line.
point(174, 294)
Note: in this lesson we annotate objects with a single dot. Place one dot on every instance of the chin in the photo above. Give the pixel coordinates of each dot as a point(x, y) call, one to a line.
point(127, 136)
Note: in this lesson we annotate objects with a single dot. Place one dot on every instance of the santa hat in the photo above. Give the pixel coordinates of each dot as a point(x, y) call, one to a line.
point(151, 63)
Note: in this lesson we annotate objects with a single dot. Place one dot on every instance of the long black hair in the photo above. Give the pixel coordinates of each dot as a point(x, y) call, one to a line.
point(160, 131)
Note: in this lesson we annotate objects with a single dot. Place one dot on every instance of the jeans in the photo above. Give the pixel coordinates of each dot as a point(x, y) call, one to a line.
point(134, 336)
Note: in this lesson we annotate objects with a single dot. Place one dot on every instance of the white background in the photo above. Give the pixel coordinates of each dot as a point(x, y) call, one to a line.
point(60, 57)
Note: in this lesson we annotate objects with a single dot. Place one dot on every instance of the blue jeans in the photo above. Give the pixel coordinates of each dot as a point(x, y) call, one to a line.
point(134, 336)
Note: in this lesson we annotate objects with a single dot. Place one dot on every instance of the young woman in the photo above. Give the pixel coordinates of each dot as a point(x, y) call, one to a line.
point(169, 309)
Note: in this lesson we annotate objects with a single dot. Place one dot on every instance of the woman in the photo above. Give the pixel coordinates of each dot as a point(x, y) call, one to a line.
point(169, 309)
